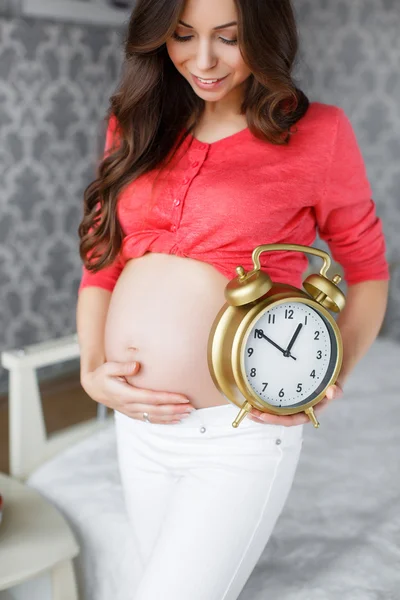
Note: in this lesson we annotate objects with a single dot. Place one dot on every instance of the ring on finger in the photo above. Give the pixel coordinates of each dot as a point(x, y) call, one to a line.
point(146, 417)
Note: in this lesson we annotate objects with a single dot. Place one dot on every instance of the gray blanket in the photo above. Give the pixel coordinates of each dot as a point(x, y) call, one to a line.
point(338, 537)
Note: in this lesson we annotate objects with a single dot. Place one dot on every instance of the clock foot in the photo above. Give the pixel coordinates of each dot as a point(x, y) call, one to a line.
point(311, 415)
point(243, 412)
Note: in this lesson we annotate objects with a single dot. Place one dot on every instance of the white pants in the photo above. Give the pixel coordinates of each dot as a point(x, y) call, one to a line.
point(203, 499)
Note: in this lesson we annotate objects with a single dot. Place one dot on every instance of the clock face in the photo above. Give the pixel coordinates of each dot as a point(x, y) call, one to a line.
point(290, 354)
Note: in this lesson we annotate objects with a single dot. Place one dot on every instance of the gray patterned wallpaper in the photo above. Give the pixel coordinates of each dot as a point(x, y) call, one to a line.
point(55, 82)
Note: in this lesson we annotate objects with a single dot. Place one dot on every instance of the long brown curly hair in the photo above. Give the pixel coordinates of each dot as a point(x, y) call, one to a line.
point(154, 104)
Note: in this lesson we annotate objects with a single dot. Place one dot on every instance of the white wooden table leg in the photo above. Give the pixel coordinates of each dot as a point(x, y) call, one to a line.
point(63, 581)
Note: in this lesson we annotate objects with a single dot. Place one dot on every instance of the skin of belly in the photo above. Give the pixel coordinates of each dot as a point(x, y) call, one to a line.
point(160, 314)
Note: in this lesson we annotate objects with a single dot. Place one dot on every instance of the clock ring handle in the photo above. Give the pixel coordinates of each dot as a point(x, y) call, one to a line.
point(323, 290)
point(292, 247)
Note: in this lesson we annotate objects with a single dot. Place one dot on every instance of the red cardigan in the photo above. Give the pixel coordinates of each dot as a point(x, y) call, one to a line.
point(221, 200)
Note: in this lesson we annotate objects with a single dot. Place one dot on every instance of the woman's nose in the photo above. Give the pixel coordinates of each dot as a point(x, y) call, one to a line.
point(205, 58)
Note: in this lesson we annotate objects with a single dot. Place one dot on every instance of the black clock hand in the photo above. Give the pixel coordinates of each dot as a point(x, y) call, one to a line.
point(276, 345)
point(292, 341)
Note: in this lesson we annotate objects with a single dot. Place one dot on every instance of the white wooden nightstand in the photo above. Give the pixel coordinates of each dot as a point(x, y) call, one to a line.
point(35, 539)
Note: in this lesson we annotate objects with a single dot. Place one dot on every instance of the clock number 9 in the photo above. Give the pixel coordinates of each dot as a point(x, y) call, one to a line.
point(250, 351)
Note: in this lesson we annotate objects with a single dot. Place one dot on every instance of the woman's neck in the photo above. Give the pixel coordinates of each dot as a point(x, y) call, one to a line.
point(228, 108)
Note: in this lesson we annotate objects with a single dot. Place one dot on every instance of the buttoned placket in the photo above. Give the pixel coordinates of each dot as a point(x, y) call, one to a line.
point(196, 157)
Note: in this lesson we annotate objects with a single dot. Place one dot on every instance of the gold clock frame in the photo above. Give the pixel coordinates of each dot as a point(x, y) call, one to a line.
point(248, 295)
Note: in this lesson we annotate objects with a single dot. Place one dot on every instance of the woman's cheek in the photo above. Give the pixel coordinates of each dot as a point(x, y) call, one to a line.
point(176, 55)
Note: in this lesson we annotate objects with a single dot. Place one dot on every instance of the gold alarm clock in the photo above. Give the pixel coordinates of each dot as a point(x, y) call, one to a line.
point(273, 346)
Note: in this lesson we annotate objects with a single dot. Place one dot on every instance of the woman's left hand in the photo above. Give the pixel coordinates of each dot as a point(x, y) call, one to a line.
point(332, 393)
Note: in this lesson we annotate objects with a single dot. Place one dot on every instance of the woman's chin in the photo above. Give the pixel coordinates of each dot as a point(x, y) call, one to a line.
point(209, 96)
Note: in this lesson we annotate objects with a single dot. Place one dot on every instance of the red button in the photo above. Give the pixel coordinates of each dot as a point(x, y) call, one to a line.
point(177, 202)
point(195, 164)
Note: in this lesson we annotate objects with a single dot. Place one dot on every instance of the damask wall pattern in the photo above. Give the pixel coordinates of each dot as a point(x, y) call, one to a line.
point(55, 82)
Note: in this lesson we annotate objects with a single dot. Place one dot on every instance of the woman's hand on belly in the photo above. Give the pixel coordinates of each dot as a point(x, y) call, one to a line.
point(107, 385)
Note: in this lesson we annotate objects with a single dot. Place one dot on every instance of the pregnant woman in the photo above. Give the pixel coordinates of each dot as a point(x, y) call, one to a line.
point(211, 150)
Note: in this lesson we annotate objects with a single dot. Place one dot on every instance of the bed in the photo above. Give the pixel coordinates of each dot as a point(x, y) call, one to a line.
point(337, 537)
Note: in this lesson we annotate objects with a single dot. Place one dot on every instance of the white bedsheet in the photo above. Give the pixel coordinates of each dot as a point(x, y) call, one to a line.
point(338, 537)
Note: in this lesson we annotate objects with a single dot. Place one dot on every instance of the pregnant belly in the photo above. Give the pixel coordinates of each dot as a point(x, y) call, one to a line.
point(161, 312)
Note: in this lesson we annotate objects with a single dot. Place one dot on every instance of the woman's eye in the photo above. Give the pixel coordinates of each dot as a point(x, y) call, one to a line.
point(231, 42)
point(186, 38)
point(179, 38)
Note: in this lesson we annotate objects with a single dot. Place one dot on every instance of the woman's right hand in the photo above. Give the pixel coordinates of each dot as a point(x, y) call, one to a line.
point(107, 385)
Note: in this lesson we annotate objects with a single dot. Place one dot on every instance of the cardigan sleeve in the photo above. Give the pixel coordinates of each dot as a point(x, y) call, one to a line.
point(345, 213)
point(105, 278)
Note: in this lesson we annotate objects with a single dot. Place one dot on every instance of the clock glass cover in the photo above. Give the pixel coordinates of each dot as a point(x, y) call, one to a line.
point(289, 354)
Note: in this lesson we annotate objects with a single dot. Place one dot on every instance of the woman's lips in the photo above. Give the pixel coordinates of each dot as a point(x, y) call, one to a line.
point(208, 86)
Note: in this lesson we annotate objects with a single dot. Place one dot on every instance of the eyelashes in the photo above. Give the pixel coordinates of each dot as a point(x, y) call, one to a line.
point(186, 38)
